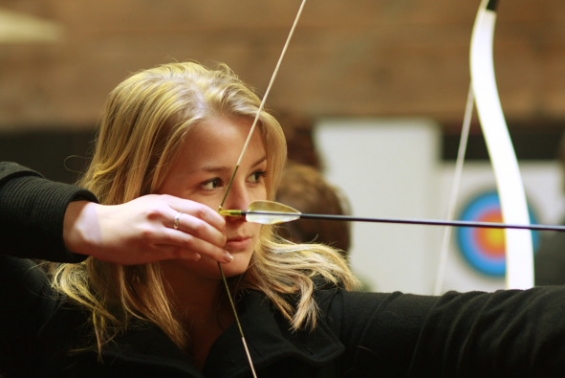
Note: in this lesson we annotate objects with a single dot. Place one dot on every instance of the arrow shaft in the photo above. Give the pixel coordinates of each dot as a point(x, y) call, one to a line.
point(348, 218)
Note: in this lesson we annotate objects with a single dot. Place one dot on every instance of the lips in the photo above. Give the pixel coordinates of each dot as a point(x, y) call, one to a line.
point(238, 243)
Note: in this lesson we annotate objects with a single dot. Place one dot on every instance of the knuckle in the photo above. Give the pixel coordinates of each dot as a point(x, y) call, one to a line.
point(200, 211)
point(147, 234)
point(198, 228)
point(154, 213)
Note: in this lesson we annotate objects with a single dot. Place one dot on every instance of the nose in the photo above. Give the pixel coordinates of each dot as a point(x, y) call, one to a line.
point(238, 198)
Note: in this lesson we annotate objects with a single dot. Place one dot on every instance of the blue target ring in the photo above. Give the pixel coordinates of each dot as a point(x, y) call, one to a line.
point(484, 248)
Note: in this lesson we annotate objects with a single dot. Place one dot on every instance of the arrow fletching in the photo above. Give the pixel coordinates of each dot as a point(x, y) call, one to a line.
point(265, 212)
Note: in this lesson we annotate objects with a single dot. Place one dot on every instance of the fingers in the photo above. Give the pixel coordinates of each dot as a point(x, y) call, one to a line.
point(198, 230)
point(147, 229)
point(177, 220)
point(194, 248)
point(196, 236)
point(200, 211)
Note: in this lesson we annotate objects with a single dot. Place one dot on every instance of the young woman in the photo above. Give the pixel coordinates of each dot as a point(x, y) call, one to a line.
point(139, 291)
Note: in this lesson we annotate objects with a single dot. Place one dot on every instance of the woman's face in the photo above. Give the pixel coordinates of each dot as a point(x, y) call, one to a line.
point(202, 172)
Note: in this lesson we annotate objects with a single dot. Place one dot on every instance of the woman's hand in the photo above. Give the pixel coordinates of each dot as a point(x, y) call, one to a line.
point(147, 229)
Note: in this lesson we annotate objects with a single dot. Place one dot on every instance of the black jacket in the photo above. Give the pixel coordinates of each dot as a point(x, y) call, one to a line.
point(507, 333)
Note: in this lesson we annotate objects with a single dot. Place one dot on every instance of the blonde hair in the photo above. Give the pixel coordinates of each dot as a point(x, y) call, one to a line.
point(144, 122)
point(306, 189)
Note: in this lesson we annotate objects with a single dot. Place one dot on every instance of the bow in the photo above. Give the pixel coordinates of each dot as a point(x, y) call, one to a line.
point(484, 92)
point(519, 247)
point(505, 165)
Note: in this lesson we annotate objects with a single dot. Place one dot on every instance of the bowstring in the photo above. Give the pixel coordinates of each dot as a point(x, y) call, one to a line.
point(239, 160)
point(463, 141)
point(262, 104)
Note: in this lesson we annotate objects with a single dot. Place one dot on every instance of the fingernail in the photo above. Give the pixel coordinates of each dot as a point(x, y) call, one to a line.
point(228, 256)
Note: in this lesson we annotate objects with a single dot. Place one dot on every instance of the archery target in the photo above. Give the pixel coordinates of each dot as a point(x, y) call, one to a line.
point(484, 248)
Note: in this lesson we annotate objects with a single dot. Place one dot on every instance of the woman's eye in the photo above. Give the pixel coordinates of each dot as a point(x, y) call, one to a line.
point(212, 184)
point(258, 176)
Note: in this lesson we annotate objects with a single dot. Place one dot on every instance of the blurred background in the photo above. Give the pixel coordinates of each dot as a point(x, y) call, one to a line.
point(374, 89)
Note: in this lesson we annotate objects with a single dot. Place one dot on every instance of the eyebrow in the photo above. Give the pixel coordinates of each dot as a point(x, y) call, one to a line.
point(259, 161)
point(230, 169)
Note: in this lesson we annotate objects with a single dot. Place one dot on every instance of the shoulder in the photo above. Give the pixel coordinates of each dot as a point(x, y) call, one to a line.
point(34, 184)
point(9, 170)
point(339, 299)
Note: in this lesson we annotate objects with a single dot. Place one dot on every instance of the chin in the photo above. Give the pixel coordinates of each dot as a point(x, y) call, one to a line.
point(238, 266)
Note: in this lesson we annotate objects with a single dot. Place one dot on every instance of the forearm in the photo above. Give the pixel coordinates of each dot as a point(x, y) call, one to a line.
point(512, 333)
point(507, 333)
point(59, 222)
point(32, 214)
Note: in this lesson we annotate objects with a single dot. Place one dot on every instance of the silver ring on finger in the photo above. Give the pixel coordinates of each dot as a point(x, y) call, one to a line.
point(177, 220)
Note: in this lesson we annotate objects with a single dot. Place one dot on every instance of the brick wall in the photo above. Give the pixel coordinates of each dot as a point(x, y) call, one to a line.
point(348, 58)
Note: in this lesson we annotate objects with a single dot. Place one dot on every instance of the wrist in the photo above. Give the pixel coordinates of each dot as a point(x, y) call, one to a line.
point(76, 227)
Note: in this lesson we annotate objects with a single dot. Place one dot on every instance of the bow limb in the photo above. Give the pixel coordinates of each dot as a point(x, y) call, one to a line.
point(519, 246)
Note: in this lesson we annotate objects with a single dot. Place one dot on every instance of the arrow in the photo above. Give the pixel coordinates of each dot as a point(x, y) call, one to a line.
point(270, 212)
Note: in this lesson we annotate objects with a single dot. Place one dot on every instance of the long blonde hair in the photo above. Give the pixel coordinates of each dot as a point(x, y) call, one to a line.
point(144, 122)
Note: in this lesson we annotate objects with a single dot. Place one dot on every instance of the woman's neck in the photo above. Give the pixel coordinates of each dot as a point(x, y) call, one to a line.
point(203, 307)
point(197, 299)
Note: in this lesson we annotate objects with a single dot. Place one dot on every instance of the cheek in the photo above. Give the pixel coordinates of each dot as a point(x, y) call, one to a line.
point(260, 193)
point(256, 230)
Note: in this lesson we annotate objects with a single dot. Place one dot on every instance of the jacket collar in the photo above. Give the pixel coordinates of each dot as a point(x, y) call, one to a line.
point(267, 333)
point(268, 337)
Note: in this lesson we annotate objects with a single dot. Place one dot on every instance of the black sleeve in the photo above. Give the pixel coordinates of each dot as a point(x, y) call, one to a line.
point(27, 302)
point(550, 259)
point(507, 333)
point(32, 211)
